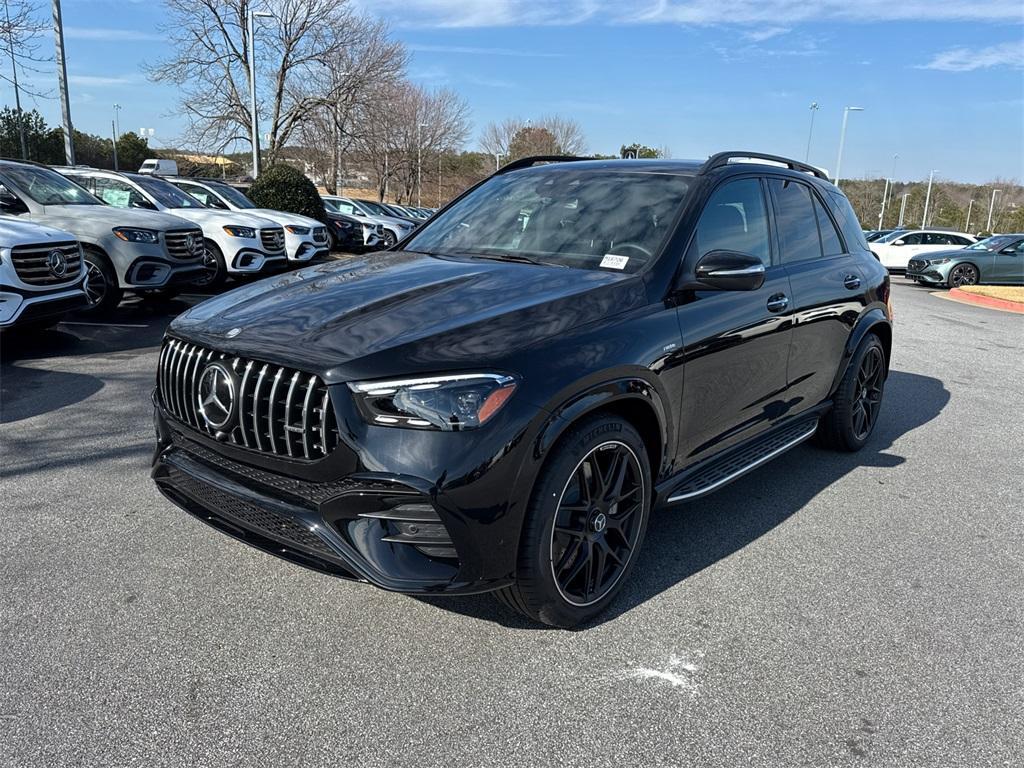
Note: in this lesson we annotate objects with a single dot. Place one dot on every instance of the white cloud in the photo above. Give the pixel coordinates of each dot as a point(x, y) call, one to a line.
point(102, 80)
point(465, 49)
point(110, 35)
point(969, 59)
point(765, 33)
point(777, 13)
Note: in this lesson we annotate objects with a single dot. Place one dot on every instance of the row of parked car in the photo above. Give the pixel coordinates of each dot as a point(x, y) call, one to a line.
point(940, 257)
point(79, 238)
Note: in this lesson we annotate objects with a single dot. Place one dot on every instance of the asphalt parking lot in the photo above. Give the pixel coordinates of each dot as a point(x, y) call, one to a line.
point(825, 610)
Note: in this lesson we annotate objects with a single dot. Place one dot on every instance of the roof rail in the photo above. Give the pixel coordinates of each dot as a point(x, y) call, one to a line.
point(722, 158)
point(19, 160)
point(526, 162)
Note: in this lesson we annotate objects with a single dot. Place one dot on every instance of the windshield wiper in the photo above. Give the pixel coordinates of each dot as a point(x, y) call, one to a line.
point(511, 256)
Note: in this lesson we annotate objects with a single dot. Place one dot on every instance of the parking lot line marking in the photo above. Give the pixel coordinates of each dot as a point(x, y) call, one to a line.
point(107, 325)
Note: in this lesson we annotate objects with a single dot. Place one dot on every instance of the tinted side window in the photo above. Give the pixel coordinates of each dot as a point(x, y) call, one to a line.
point(957, 240)
point(117, 193)
point(847, 219)
point(831, 244)
point(794, 215)
point(735, 219)
point(915, 239)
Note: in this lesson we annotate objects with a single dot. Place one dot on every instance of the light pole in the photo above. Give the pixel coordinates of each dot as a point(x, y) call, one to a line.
point(814, 108)
point(842, 138)
point(419, 163)
point(991, 205)
point(903, 208)
point(255, 127)
point(497, 161)
point(438, 179)
point(62, 79)
point(967, 225)
point(927, 198)
point(116, 125)
point(885, 193)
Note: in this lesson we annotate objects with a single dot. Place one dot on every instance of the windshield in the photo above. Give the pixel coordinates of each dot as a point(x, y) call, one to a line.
point(48, 187)
point(165, 193)
point(996, 243)
point(588, 218)
point(232, 195)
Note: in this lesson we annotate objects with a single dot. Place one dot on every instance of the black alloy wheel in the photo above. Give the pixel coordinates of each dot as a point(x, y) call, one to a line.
point(100, 284)
point(597, 523)
point(870, 382)
point(584, 525)
point(389, 238)
point(963, 274)
point(95, 284)
point(215, 270)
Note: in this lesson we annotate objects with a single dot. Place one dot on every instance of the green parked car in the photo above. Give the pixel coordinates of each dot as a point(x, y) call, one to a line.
point(998, 260)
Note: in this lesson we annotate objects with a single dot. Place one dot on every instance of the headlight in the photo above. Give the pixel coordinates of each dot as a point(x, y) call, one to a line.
point(935, 262)
point(450, 403)
point(346, 225)
point(246, 232)
point(137, 235)
point(297, 230)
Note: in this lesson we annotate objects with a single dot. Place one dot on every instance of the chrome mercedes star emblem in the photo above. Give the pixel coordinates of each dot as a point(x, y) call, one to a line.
point(233, 332)
point(58, 263)
point(216, 396)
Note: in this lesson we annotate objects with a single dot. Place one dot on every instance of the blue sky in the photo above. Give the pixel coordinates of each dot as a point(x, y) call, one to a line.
point(941, 81)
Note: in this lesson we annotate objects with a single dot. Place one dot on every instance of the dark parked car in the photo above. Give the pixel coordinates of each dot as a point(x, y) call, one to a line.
point(500, 405)
point(997, 260)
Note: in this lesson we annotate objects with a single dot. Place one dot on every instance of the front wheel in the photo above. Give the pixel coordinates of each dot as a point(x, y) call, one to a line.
point(963, 274)
point(858, 400)
point(585, 524)
point(101, 288)
point(389, 238)
point(216, 268)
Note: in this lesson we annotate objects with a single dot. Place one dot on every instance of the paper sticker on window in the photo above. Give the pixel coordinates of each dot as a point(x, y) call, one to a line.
point(116, 197)
point(611, 261)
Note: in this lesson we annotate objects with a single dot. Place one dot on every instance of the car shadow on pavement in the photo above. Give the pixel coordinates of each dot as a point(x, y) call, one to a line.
point(685, 539)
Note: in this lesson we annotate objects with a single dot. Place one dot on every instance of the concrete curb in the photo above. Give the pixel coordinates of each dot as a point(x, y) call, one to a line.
point(985, 301)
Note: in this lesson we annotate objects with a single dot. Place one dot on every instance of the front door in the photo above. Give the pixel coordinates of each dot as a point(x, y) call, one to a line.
point(735, 343)
point(1007, 265)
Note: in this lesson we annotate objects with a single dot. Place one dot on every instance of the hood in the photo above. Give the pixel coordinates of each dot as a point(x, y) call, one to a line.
point(283, 217)
point(213, 218)
point(398, 312)
point(75, 218)
point(20, 232)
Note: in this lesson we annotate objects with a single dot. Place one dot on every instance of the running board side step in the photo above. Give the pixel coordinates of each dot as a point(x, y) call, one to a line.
point(723, 470)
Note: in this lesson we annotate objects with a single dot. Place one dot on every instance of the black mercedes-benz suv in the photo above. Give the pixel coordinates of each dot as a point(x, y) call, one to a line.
point(500, 401)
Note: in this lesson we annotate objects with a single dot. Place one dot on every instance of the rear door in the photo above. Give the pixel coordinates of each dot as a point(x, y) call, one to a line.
point(1007, 265)
point(736, 343)
point(827, 284)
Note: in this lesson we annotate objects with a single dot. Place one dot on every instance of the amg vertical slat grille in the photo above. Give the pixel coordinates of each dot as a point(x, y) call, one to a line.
point(34, 266)
point(184, 243)
point(277, 410)
point(272, 239)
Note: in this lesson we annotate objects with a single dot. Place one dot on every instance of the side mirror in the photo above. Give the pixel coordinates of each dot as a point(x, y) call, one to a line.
point(143, 203)
point(899, 242)
point(730, 271)
point(10, 202)
point(1011, 251)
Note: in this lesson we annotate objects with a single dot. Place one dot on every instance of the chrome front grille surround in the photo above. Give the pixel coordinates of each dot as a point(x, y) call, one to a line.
point(272, 239)
point(275, 410)
point(34, 264)
point(184, 243)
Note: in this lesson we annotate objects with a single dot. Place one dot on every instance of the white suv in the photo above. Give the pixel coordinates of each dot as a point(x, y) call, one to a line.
point(237, 244)
point(141, 251)
point(304, 238)
point(41, 275)
point(897, 248)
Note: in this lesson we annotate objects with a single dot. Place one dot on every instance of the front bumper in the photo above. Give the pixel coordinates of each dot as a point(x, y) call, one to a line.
point(18, 307)
point(928, 276)
point(343, 525)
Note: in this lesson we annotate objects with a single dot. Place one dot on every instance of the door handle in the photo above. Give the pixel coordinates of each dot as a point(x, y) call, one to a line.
point(778, 302)
point(851, 281)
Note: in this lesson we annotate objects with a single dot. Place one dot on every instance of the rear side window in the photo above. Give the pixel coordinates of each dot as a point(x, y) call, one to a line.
point(831, 243)
point(848, 224)
point(735, 219)
point(915, 239)
point(957, 240)
point(796, 220)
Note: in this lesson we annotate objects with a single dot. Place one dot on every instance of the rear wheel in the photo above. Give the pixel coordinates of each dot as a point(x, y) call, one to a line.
point(963, 274)
point(216, 268)
point(586, 522)
point(858, 400)
point(101, 288)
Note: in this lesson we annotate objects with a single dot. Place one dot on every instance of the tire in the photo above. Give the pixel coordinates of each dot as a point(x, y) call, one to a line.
point(389, 238)
point(216, 268)
point(962, 274)
point(858, 400)
point(101, 285)
point(594, 546)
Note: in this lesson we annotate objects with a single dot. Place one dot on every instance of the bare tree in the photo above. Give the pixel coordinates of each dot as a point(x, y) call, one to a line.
point(210, 64)
point(549, 134)
point(21, 25)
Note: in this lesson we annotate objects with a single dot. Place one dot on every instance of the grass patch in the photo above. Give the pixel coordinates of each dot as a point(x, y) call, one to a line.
point(1004, 292)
